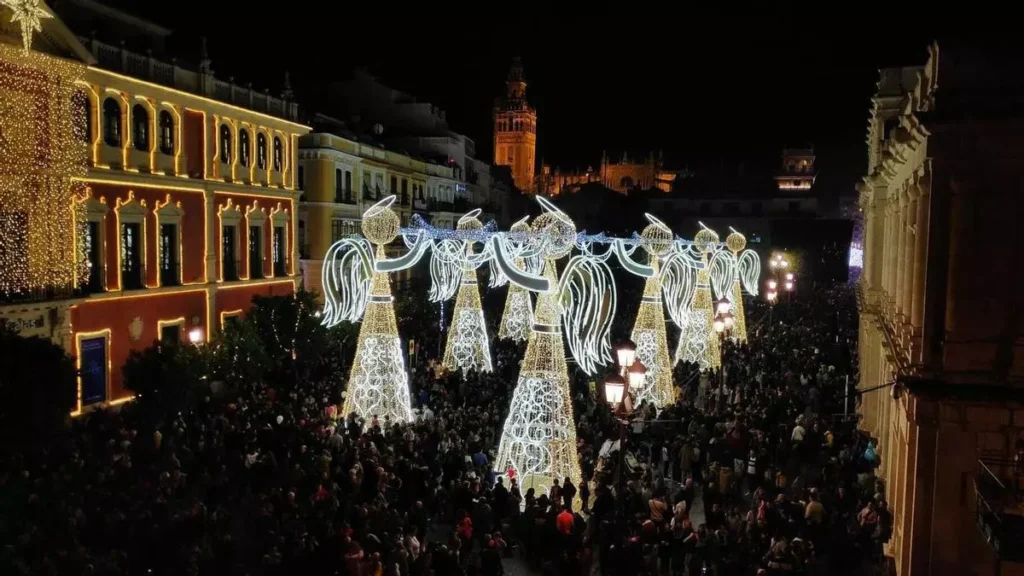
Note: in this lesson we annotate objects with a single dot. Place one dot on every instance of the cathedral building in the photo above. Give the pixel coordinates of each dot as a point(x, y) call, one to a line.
point(622, 176)
point(515, 130)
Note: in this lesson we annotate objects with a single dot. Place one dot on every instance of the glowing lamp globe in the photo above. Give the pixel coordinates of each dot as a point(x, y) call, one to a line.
point(772, 284)
point(380, 223)
point(723, 306)
point(729, 320)
point(625, 352)
point(736, 242)
point(614, 390)
point(718, 325)
point(789, 285)
point(195, 335)
point(771, 296)
point(657, 236)
point(789, 275)
point(705, 240)
point(637, 375)
point(469, 222)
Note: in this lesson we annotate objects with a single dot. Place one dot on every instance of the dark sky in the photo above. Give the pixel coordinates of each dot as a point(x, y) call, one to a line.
point(723, 88)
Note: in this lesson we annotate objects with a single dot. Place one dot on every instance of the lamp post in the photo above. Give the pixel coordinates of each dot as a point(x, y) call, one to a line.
point(723, 324)
point(632, 374)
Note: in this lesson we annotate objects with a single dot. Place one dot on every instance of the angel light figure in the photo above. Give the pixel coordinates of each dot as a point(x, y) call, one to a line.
point(517, 318)
point(357, 285)
point(731, 272)
point(698, 342)
point(468, 347)
point(538, 441)
point(649, 329)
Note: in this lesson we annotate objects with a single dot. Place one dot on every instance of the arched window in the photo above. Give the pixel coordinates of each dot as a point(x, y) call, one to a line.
point(243, 148)
point(166, 132)
point(140, 128)
point(111, 122)
point(225, 144)
point(278, 153)
point(261, 151)
point(626, 182)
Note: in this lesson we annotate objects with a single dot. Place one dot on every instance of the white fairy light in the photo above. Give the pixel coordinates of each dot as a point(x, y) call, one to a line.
point(468, 347)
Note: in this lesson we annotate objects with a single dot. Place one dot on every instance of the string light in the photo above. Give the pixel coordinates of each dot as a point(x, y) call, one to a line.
point(42, 144)
point(468, 347)
point(29, 15)
point(698, 342)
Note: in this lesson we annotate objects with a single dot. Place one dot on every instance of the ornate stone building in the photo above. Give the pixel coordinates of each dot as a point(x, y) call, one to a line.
point(942, 314)
point(515, 130)
point(622, 176)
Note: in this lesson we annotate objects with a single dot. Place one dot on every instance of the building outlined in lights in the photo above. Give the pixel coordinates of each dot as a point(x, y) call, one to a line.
point(188, 202)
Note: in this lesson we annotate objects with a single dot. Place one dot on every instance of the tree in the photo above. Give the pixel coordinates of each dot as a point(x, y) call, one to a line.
point(38, 388)
point(167, 379)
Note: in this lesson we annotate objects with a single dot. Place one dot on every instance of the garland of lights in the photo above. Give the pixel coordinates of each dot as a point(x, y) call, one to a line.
point(42, 147)
point(468, 347)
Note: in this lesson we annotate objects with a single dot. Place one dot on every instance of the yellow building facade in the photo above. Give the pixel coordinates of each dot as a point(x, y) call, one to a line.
point(941, 356)
point(341, 178)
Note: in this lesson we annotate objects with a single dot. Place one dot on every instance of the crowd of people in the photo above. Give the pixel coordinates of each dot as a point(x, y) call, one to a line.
point(756, 470)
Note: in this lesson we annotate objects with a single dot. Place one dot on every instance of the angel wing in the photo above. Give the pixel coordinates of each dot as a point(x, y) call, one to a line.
point(446, 269)
point(346, 275)
point(678, 283)
point(498, 278)
point(588, 298)
point(723, 269)
point(749, 265)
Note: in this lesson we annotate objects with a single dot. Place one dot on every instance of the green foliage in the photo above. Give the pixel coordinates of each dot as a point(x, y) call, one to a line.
point(167, 379)
point(38, 388)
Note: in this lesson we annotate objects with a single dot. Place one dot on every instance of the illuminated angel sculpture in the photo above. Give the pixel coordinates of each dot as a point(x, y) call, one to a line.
point(649, 329)
point(731, 272)
point(517, 319)
point(538, 441)
point(468, 347)
point(357, 286)
point(687, 288)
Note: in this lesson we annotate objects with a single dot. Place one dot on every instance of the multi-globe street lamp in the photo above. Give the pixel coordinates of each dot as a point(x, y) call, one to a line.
point(631, 375)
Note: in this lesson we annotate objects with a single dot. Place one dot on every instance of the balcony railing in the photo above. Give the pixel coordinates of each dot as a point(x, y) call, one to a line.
point(41, 294)
point(999, 484)
point(231, 268)
point(169, 275)
point(372, 194)
point(419, 204)
point(344, 196)
point(281, 268)
point(134, 279)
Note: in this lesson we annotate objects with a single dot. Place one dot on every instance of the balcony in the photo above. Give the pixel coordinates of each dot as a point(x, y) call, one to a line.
point(371, 194)
point(419, 204)
point(344, 196)
point(998, 485)
point(42, 294)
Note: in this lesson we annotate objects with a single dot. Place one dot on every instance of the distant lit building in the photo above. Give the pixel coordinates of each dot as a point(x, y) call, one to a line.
point(623, 176)
point(797, 173)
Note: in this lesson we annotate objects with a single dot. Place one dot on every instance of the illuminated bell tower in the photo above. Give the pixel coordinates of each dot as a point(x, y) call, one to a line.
point(515, 130)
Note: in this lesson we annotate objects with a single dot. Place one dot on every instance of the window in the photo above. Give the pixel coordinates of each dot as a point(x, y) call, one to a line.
point(93, 361)
point(111, 122)
point(626, 183)
point(243, 148)
point(279, 155)
point(225, 144)
point(255, 252)
point(278, 251)
point(227, 252)
point(94, 255)
point(261, 151)
point(348, 187)
point(343, 228)
point(166, 132)
point(169, 264)
point(170, 335)
point(140, 128)
point(394, 185)
point(732, 208)
point(131, 256)
point(339, 195)
point(405, 192)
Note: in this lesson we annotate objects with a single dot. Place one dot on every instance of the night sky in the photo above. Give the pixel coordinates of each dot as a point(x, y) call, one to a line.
point(713, 90)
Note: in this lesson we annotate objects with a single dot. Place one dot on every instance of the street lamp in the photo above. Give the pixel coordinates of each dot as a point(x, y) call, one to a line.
point(724, 306)
point(195, 335)
point(614, 390)
point(626, 353)
point(729, 320)
point(637, 374)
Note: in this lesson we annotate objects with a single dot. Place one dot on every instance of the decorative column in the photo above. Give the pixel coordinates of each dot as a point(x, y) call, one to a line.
point(907, 269)
point(900, 256)
point(920, 265)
